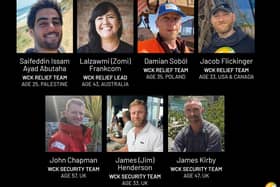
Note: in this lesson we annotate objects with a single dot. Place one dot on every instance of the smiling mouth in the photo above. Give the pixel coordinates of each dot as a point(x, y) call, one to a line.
point(107, 28)
point(51, 35)
point(77, 121)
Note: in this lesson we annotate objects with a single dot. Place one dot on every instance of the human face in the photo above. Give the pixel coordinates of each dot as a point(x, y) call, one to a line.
point(138, 115)
point(124, 118)
point(47, 31)
point(107, 25)
point(223, 22)
point(193, 112)
point(75, 114)
point(169, 26)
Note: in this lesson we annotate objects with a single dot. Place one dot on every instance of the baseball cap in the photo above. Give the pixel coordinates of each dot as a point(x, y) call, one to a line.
point(221, 6)
point(169, 7)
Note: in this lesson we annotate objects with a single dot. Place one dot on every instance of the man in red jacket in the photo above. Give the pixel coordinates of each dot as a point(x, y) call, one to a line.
point(72, 135)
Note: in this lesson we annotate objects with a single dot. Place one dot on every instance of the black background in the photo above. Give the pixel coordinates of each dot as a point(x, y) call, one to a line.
point(252, 146)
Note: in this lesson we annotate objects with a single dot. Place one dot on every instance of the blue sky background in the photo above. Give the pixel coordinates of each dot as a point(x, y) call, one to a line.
point(24, 3)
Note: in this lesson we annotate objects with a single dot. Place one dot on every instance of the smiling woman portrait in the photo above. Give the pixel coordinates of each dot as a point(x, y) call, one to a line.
point(105, 31)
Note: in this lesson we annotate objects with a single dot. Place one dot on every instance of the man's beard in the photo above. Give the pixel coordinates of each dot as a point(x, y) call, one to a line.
point(225, 30)
point(195, 119)
point(140, 123)
point(50, 45)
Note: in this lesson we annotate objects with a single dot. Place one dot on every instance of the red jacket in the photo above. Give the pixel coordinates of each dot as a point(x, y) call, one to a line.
point(70, 138)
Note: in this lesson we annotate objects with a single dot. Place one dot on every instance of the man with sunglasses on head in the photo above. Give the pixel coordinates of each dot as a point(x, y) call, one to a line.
point(227, 37)
point(45, 27)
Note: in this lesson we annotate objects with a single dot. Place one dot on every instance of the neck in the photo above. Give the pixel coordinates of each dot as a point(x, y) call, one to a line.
point(138, 129)
point(110, 44)
point(226, 34)
point(171, 44)
point(43, 50)
point(196, 126)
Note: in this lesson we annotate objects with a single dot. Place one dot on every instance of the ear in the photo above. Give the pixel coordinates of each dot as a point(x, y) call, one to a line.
point(233, 17)
point(31, 32)
point(180, 25)
point(202, 110)
point(210, 21)
point(157, 23)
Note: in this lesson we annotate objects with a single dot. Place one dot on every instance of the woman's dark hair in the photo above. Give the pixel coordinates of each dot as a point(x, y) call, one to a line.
point(41, 4)
point(99, 10)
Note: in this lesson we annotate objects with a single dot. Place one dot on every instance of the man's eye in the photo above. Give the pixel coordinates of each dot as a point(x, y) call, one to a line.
point(43, 24)
point(56, 23)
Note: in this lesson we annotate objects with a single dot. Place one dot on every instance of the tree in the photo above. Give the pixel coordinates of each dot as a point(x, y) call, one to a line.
point(94, 113)
point(215, 113)
point(204, 28)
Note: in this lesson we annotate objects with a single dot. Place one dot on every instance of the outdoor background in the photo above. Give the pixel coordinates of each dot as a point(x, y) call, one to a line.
point(55, 105)
point(85, 8)
point(245, 18)
point(214, 112)
point(25, 41)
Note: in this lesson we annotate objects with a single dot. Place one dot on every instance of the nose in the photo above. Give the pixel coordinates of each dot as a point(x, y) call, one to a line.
point(51, 26)
point(171, 22)
point(220, 18)
point(105, 20)
point(136, 114)
point(191, 113)
point(78, 115)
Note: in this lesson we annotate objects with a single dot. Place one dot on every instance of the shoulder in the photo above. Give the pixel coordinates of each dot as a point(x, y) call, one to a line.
point(153, 130)
point(125, 47)
point(61, 49)
point(84, 49)
point(130, 132)
point(128, 124)
point(60, 136)
point(207, 49)
point(30, 50)
point(149, 46)
point(211, 128)
point(184, 131)
point(149, 41)
point(249, 39)
point(124, 44)
point(204, 50)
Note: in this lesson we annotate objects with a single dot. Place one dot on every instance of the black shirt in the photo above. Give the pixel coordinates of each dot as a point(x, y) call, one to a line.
point(239, 42)
point(123, 48)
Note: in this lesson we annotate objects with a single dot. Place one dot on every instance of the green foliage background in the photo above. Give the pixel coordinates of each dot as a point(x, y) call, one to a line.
point(214, 113)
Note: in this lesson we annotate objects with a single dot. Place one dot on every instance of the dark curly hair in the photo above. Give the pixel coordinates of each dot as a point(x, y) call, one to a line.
point(41, 4)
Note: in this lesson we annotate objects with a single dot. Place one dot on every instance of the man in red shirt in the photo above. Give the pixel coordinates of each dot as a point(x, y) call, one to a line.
point(72, 135)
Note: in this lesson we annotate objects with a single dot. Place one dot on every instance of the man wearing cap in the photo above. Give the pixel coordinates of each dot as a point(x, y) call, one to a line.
point(168, 22)
point(227, 38)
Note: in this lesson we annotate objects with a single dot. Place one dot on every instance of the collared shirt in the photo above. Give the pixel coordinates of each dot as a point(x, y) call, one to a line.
point(207, 140)
point(149, 139)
